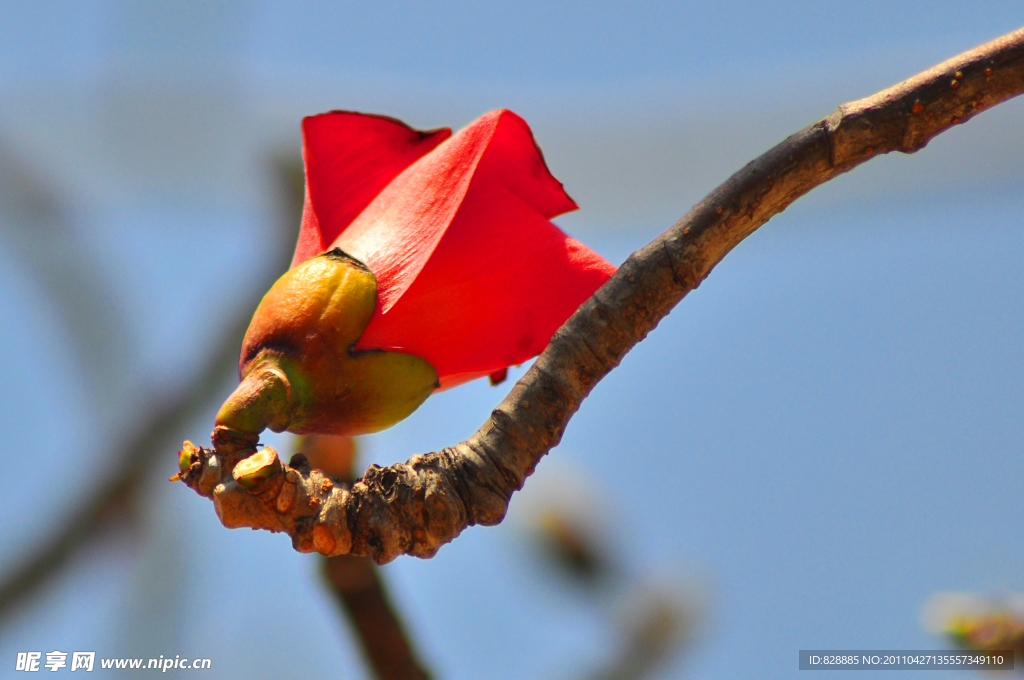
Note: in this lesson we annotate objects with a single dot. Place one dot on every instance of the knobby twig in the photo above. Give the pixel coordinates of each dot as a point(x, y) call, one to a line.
point(418, 506)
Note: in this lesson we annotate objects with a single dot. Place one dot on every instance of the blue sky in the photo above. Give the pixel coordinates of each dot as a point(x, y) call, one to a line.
point(820, 437)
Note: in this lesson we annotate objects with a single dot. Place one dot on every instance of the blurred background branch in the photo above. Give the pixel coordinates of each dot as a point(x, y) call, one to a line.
point(979, 623)
point(356, 582)
point(155, 419)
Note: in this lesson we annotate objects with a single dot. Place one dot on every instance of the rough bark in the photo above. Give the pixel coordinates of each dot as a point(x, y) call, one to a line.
point(418, 506)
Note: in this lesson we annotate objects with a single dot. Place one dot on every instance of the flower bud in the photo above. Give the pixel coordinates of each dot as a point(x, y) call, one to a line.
point(185, 456)
point(253, 471)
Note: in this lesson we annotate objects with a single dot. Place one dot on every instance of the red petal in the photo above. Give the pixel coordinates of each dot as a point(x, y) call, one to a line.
point(349, 158)
point(503, 278)
point(397, 233)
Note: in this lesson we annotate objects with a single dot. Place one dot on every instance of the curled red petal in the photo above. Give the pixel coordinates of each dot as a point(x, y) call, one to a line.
point(349, 157)
point(472, 275)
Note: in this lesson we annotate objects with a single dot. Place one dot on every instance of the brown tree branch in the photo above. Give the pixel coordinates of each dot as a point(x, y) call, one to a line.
point(418, 506)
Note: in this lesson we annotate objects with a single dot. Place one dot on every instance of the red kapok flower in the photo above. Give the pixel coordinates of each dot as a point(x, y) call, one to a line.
point(424, 260)
point(471, 273)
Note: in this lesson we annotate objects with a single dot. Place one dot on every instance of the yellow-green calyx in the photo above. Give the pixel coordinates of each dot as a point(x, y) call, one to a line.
point(299, 369)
